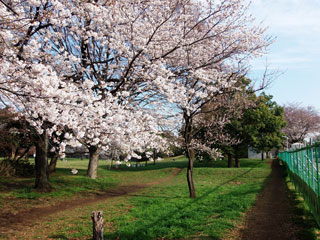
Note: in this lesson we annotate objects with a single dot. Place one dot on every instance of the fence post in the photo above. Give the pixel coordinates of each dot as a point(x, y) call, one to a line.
point(312, 165)
point(295, 157)
point(304, 166)
point(308, 166)
point(317, 167)
point(299, 165)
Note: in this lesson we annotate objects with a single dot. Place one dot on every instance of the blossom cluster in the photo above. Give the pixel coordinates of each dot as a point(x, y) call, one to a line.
point(103, 68)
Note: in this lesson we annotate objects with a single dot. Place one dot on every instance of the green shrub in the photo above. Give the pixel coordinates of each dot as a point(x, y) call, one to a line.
point(21, 168)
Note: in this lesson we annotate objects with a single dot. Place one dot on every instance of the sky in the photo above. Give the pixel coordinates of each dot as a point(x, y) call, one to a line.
point(295, 54)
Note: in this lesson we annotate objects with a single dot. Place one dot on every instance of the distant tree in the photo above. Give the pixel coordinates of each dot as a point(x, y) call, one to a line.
point(263, 124)
point(229, 106)
point(301, 121)
point(258, 125)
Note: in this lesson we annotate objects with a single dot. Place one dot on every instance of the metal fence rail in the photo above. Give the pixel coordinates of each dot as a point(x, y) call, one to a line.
point(303, 168)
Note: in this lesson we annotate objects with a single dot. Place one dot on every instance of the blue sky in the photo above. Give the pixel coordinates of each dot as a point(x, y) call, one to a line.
point(296, 51)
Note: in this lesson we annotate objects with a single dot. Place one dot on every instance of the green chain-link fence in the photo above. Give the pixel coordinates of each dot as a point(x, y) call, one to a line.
point(303, 168)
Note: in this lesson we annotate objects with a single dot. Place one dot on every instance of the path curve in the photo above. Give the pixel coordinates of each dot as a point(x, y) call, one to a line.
point(28, 217)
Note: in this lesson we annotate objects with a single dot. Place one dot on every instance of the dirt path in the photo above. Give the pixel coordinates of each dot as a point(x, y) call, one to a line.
point(27, 218)
point(272, 216)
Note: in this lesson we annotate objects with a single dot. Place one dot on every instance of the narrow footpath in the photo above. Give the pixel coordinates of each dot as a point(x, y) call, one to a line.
point(272, 217)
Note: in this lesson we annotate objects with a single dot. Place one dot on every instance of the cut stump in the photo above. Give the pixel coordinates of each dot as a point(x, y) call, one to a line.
point(97, 219)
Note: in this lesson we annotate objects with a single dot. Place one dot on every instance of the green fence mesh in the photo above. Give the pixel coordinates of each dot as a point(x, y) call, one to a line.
point(303, 168)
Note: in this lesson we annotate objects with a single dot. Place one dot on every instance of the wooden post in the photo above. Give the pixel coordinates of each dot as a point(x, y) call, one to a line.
point(97, 219)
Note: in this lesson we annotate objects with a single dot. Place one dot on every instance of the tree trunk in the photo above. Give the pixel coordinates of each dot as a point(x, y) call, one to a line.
point(230, 163)
point(41, 163)
point(53, 163)
point(237, 161)
point(111, 163)
point(262, 156)
point(31, 151)
point(191, 156)
point(190, 153)
point(13, 151)
point(24, 153)
point(93, 162)
point(97, 220)
point(16, 153)
point(268, 155)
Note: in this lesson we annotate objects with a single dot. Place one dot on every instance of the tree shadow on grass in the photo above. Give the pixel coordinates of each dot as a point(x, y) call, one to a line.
point(150, 166)
point(174, 221)
point(182, 162)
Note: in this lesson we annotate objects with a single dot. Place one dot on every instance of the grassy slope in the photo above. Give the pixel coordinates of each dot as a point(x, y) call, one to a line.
point(163, 210)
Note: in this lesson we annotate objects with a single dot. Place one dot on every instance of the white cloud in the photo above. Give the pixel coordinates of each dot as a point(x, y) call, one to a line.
point(288, 16)
point(296, 51)
point(296, 25)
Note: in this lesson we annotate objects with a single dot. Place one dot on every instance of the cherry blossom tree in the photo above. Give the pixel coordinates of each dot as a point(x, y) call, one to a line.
point(301, 121)
point(218, 39)
point(101, 67)
point(219, 124)
point(54, 92)
point(25, 82)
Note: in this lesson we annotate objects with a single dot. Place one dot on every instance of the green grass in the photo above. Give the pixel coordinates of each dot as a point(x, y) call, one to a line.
point(65, 184)
point(167, 211)
point(161, 211)
point(308, 228)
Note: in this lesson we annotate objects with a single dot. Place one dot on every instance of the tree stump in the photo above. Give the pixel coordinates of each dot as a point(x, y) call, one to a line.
point(97, 219)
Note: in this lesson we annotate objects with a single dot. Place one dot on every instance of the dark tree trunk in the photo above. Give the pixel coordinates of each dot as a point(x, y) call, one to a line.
point(262, 156)
point(230, 163)
point(236, 157)
point(13, 152)
point(268, 155)
point(24, 153)
point(93, 162)
point(237, 161)
point(41, 163)
point(97, 220)
point(277, 154)
point(190, 154)
point(154, 156)
point(53, 163)
point(16, 153)
point(111, 163)
point(31, 151)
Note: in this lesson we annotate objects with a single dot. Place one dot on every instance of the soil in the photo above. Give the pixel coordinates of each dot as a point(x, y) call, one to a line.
point(272, 217)
point(17, 221)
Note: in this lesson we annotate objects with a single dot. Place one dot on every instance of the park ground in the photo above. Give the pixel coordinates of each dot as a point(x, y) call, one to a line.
point(255, 201)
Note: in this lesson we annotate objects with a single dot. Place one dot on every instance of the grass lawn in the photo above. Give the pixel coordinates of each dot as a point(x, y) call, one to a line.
point(161, 211)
